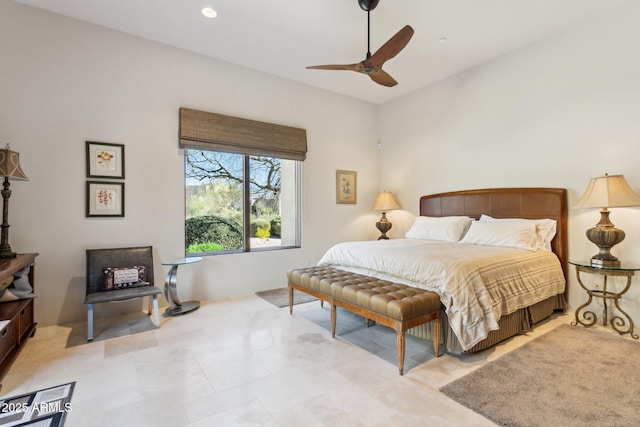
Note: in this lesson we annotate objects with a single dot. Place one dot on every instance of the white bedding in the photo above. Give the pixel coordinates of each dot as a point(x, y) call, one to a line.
point(477, 284)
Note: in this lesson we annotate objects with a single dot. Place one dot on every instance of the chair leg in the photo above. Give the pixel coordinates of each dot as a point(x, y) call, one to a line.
point(150, 307)
point(89, 322)
point(156, 314)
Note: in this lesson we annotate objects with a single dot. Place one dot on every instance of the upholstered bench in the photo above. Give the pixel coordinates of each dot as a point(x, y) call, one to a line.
point(394, 305)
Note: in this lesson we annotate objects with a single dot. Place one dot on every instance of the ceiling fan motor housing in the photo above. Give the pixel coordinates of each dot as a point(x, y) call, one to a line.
point(368, 5)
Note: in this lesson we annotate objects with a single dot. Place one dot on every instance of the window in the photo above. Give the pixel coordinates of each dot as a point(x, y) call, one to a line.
point(240, 203)
point(242, 183)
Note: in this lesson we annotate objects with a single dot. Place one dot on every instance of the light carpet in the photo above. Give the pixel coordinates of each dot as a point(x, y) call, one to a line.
point(43, 408)
point(280, 297)
point(571, 376)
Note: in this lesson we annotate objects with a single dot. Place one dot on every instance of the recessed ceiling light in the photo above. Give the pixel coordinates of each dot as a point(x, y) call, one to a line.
point(209, 12)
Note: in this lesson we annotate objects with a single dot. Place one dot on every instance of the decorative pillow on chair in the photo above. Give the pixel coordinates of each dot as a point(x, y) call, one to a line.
point(124, 277)
point(17, 287)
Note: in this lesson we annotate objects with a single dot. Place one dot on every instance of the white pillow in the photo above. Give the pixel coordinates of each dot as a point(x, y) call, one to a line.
point(545, 229)
point(511, 234)
point(446, 228)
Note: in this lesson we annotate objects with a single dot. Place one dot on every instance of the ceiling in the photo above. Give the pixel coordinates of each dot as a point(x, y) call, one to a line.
point(282, 37)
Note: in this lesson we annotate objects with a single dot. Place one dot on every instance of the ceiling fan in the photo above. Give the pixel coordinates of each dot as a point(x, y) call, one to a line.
point(372, 65)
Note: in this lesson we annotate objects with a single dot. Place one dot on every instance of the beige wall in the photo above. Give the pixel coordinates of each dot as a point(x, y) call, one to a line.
point(63, 82)
point(553, 114)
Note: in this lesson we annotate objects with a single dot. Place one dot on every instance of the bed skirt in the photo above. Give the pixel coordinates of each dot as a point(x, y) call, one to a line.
point(518, 322)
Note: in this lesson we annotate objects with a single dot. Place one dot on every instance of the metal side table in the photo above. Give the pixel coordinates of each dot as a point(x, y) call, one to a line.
point(177, 307)
point(589, 318)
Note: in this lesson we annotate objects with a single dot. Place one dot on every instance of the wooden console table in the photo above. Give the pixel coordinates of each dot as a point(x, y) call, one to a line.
point(19, 314)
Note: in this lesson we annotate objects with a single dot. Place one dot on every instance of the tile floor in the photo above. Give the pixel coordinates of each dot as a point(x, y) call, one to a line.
point(242, 361)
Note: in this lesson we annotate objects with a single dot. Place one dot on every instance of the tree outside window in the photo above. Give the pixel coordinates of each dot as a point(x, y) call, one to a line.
point(240, 203)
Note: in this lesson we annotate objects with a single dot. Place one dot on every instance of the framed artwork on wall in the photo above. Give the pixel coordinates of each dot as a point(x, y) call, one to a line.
point(346, 187)
point(105, 199)
point(105, 160)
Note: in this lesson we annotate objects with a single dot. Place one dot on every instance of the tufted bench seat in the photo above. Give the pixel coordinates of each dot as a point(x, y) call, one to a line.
point(397, 306)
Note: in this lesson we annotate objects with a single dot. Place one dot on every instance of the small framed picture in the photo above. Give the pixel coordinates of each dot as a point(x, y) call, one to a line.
point(105, 199)
point(105, 160)
point(346, 187)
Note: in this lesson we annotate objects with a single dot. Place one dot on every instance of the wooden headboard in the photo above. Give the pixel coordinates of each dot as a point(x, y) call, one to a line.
point(530, 203)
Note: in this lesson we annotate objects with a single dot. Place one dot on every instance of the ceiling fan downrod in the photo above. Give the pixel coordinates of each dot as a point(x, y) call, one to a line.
point(368, 35)
point(368, 6)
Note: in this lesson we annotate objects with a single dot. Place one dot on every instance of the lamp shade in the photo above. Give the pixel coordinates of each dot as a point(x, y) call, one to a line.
point(10, 165)
point(385, 202)
point(608, 191)
point(9, 169)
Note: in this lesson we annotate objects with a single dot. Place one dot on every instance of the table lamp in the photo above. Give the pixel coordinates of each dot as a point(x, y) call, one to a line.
point(10, 169)
point(608, 191)
point(385, 202)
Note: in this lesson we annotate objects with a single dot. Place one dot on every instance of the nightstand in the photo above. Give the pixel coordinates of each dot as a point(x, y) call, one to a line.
point(589, 318)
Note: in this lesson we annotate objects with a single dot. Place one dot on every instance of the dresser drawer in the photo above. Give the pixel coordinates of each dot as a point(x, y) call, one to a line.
point(7, 340)
point(25, 319)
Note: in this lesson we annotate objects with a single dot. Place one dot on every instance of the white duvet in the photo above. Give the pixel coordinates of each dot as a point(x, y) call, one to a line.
point(477, 284)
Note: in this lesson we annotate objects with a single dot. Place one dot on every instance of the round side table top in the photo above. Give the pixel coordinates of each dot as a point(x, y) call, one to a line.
point(622, 267)
point(182, 261)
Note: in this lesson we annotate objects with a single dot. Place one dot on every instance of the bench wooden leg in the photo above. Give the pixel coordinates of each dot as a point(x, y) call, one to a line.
point(333, 319)
point(435, 332)
point(400, 349)
point(290, 300)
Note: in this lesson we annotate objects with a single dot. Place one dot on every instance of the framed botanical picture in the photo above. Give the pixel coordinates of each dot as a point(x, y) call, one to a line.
point(105, 160)
point(105, 198)
point(346, 187)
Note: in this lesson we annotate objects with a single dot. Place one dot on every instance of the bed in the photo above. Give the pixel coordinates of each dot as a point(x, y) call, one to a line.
point(489, 292)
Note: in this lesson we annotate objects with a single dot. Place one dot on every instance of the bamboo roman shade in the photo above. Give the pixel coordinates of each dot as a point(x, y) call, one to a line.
point(210, 131)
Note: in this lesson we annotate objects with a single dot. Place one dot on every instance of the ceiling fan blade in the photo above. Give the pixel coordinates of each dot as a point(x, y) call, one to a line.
point(392, 47)
point(383, 78)
point(349, 67)
point(372, 65)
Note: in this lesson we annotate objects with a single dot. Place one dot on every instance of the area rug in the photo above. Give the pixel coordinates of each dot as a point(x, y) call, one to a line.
point(47, 407)
point(571, 376)
point(280, 297)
